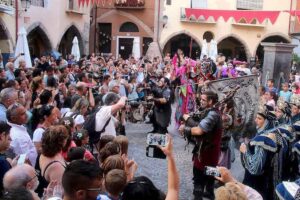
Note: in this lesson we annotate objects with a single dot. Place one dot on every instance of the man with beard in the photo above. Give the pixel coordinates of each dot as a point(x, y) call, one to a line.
point(162, 106)
point(207, 135)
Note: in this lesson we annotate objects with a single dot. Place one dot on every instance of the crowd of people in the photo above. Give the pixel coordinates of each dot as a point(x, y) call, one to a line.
point(62, 128)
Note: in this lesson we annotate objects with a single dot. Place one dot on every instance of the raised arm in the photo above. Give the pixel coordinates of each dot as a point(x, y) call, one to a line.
point(173, 176)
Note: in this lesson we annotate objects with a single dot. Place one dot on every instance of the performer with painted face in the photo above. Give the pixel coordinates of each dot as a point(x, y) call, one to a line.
point(257, 156)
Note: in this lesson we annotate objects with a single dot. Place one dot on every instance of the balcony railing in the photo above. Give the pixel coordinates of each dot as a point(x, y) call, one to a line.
point(7, 6)
point(130, 4)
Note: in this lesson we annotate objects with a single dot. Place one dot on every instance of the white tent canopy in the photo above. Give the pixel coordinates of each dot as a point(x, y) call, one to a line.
point(75, 49)
point(136, 50)
point(22, 48)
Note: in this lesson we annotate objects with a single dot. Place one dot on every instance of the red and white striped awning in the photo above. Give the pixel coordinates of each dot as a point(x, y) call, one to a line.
point(237, 15)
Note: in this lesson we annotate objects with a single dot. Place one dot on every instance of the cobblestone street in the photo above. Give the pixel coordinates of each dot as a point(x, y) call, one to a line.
point(156, 169)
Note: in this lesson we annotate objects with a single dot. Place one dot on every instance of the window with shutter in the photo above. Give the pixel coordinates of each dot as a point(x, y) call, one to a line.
point(249, 4)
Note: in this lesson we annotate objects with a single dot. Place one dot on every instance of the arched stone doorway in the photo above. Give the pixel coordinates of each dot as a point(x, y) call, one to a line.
point(38, 42)
point(260, 49)
point(65, 45)
point(186, 43)
point(232, 47)
point(6, 45)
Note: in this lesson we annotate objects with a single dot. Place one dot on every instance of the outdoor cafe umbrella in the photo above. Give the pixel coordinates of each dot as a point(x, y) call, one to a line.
point(75, 49)
point(22, 48)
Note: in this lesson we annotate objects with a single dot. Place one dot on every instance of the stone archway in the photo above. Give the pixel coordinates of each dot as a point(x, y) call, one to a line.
point(189, 44)
point(274, 38)
point(38, 40)
point(131, 17)
point(6, 41)
point(65, 44)
point(234, 47)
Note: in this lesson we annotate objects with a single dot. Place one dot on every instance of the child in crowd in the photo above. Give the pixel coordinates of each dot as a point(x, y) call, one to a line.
point(270, 98)
point(103, 141)
point(123, 142)
point(114, 183)
point(285, 93)
point(81, 139)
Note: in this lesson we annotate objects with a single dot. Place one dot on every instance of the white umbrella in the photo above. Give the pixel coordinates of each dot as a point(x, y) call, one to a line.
point(75, 49)
point(136, 50)
point(22, 48)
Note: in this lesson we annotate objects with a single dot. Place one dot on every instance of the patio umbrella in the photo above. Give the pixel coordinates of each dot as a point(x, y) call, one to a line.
point(136, 51)
point(75, 49)
point(22, 48)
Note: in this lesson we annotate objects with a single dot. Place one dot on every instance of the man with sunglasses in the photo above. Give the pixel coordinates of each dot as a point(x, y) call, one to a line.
point(21, 142)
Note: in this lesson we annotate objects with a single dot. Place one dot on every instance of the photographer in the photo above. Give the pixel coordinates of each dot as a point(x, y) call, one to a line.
point(162, 107)
point(206, 152)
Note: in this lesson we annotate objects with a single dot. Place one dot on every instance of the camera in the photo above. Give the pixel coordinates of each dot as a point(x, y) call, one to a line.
point(212, 171)
point(155, 152)
point(156, 139)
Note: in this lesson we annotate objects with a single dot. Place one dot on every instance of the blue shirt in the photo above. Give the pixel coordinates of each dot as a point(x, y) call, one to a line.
point(271, 89)
point(286, 95)
point(3, 113)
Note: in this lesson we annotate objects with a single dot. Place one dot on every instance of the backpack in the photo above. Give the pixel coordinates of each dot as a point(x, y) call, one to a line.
point(90, 126)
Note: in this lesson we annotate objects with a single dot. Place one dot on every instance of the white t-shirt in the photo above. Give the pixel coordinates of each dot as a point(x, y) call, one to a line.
point(63, 111)
point(78, 120)
point(38, 134)
point(101, 118)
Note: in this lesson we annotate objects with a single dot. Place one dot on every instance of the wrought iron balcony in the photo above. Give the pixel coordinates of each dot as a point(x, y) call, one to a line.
point(7, 6)
point(130, 4)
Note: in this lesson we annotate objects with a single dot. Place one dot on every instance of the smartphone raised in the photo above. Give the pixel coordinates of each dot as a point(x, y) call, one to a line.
point(156, 139)
point(21, 159)
point(212, 171)
point(155, 152)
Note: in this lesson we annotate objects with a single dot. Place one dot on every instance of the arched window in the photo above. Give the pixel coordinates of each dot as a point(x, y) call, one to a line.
point(129, 27)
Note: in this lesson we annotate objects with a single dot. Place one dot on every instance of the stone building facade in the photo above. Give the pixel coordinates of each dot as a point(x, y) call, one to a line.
point(235, 37)
point(120, 25)
point(51, 25)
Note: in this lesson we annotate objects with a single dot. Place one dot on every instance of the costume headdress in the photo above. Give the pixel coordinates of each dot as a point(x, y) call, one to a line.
point(295, 100)
point(267, 112)
point(284, 106)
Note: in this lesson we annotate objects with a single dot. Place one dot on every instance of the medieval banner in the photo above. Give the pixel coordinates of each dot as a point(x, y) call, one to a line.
point(245, 102)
